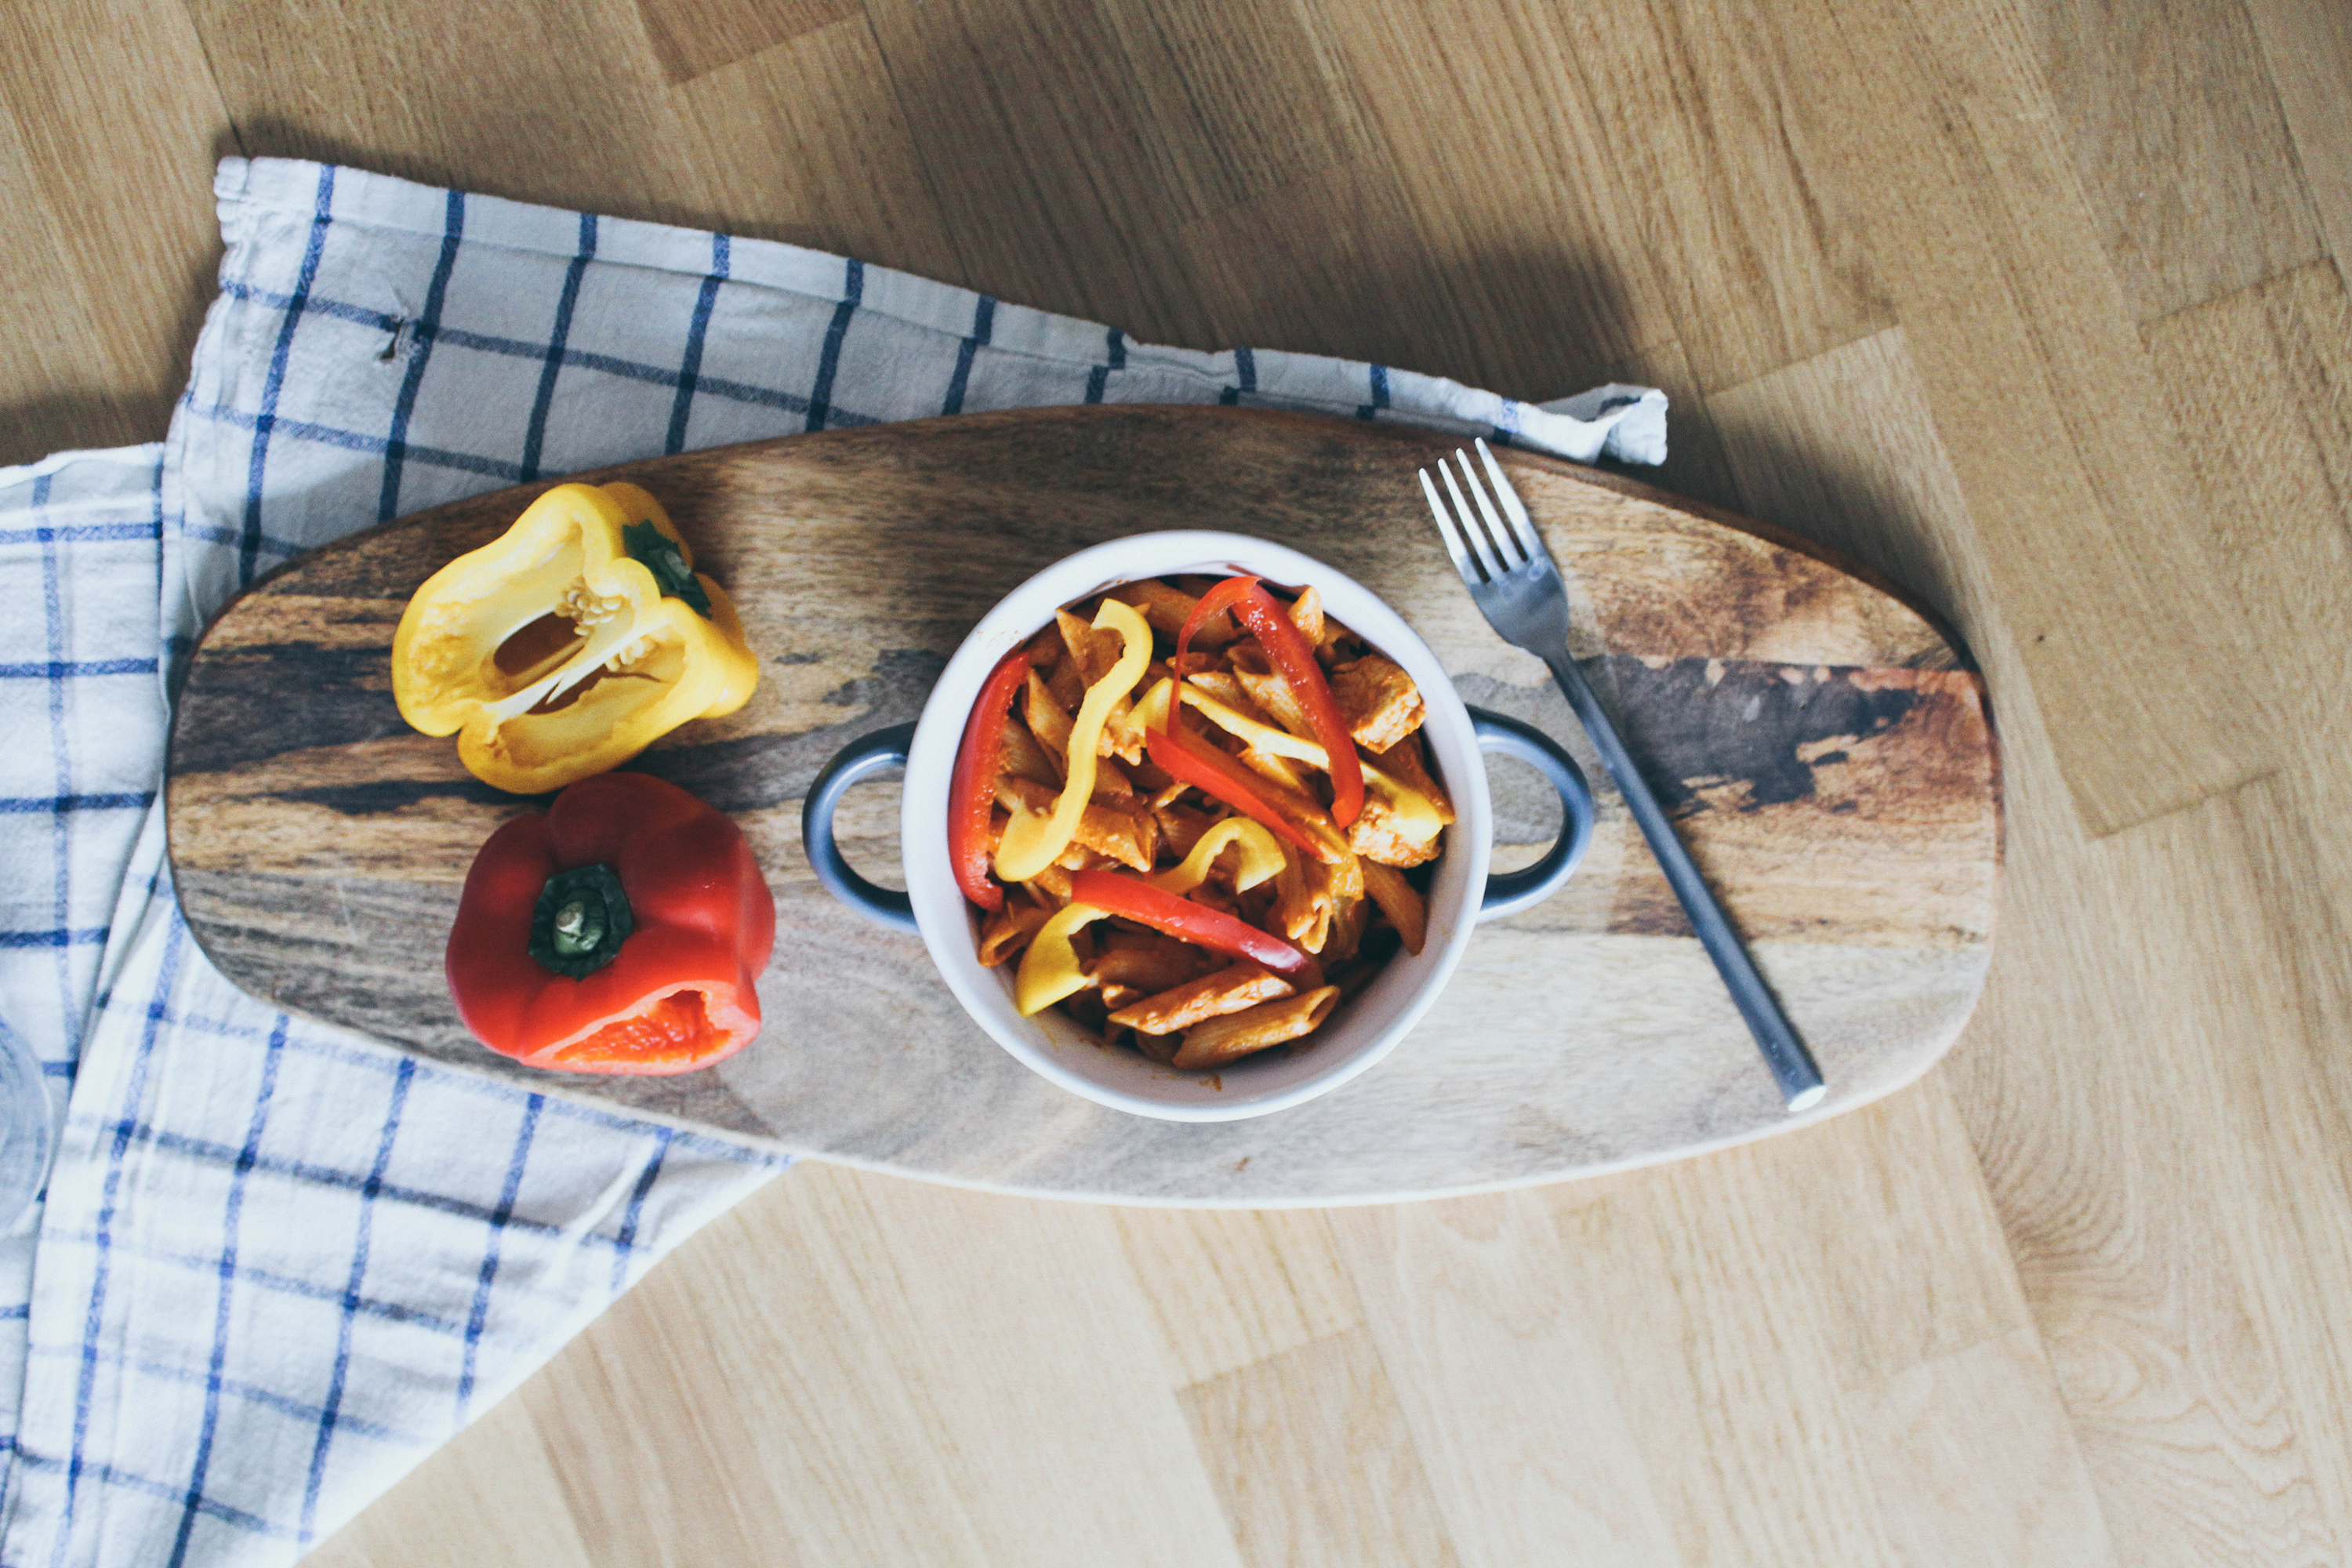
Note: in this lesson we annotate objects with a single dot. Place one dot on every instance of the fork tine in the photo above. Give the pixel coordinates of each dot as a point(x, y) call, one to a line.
point(1447, 531)
point(1523, 526)
point(1469, 521)
point(1513, 554)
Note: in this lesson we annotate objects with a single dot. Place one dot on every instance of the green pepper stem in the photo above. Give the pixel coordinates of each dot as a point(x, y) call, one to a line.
point(581, 919)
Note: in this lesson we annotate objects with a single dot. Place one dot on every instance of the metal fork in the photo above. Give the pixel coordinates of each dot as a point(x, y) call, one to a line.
point(1511, 577)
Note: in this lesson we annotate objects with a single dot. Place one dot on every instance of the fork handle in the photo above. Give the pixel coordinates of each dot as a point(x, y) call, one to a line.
point(1793, 1065)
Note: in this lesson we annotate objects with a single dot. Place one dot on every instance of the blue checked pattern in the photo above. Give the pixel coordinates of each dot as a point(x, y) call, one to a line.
point(277, 1264)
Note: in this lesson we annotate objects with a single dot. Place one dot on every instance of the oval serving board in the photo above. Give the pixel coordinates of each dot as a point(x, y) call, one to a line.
point(1827, 751)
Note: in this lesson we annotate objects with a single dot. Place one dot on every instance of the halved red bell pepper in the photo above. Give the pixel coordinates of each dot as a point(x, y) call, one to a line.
point(1294, 661)
point(1117, 893)
point(624, 931)
point(972, 787)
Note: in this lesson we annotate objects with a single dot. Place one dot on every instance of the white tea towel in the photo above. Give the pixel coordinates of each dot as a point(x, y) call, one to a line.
point(279, 1263)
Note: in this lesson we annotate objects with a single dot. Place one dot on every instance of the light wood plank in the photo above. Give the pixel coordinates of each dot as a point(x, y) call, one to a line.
point(2307, 44)
point(1312, 1461)
point(2266, 377)
point(1523, 259)
point(805, 142)
point(570, 108)
point(694, 36)
point(1035, 128)
point(1709, 112)
point(1975, 1464)
point(2183, 150)
point(51, 395)
point(1245, 97)
point(1234, 1286)
point(2146, 1208)
point(1474, 1303)
point(909, 1374)
point(113, 126)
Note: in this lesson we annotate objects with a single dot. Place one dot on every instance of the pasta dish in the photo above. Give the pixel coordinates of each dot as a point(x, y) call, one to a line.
point(1197, 817)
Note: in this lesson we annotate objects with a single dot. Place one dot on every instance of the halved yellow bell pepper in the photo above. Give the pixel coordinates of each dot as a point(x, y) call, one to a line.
point(570, 642)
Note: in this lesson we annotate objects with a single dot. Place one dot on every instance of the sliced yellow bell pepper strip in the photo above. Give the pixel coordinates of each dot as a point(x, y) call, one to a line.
point(1417, 817)
point(1049, 968)
point(1032, 840)
point(1261, 857)
point(570, 643)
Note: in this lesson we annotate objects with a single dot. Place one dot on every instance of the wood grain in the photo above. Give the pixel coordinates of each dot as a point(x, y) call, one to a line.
point(1836, 775)
point(2184, 224)
point(1942, 370)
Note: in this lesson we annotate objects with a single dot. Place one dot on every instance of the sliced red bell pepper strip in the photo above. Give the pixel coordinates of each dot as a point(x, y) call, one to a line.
point(1187, 760)
point(1116, 892)
point(1295, 662)
point(972, 787)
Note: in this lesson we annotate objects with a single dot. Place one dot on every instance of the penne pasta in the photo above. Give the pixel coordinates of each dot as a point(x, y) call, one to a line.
point(1093, 652)
point(1221, 1040)
point(1049, 722)
point(1147, 961)
point(1008, 930)
point(1024, 758)
point(1269, 693)
point(1229, 990)
point(1307, 614)
point(1401, 901)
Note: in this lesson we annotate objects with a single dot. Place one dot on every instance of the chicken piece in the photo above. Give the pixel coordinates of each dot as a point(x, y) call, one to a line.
point(1377, 837)
point(1121, 736)
point(1408, 764)
point(1108, 830)
point(1379, 700)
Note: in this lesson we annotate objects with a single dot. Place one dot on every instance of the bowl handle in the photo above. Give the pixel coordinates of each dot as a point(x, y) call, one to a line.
point(871, 754)
point(1508, 892)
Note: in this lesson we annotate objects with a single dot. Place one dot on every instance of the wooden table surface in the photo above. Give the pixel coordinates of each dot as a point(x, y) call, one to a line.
point(2035, 305)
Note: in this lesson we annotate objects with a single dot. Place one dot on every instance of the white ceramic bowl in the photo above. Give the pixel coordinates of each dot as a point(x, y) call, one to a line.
point(1360, 1033)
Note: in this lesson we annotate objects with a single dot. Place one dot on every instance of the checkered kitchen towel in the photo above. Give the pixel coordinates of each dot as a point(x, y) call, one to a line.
point(277, 1264)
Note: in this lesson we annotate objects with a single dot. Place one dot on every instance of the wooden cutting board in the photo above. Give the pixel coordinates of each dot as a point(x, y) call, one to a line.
point(1828, 751)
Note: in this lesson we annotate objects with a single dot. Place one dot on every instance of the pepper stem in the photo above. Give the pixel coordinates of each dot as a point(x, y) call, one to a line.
point(581, 921)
